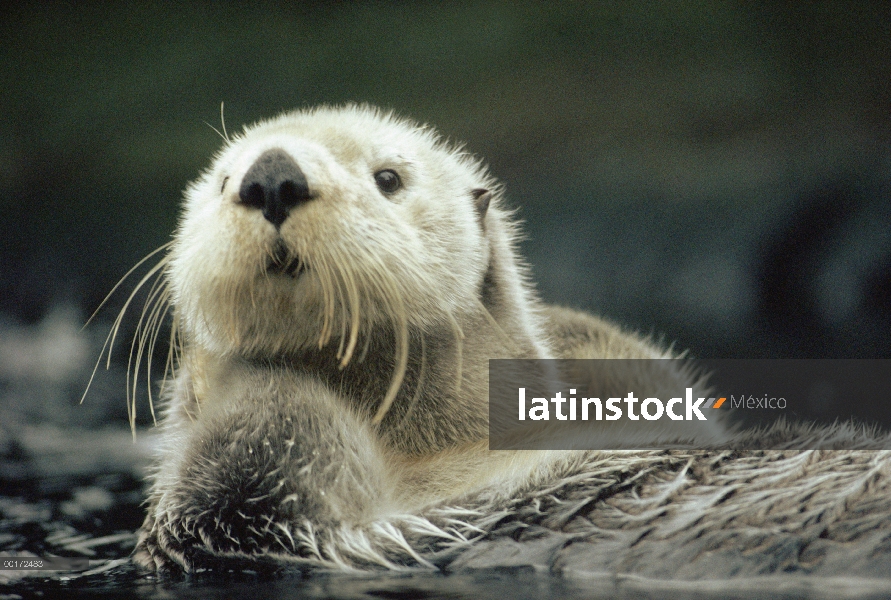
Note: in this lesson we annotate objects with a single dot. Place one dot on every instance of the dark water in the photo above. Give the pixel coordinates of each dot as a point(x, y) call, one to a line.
point(125, 582)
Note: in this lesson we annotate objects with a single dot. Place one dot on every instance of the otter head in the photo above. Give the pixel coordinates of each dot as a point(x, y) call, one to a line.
point(318, 226)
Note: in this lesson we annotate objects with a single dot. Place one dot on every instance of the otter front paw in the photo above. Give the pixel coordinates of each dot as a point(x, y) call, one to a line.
point(161, 551)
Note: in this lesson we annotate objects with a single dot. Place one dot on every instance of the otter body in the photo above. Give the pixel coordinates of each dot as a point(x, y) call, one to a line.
point(339, 280)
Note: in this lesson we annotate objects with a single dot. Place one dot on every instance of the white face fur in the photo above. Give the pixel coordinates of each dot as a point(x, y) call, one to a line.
point(416, 255)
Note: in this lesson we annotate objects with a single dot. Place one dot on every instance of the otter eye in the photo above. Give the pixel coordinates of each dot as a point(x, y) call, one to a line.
point(388, 181)
point(225, 181)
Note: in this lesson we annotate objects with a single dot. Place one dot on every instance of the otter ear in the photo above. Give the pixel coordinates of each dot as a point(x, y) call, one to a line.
point(481, 199)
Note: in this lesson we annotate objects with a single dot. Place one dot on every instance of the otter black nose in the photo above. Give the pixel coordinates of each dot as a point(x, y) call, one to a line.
point(275, 185)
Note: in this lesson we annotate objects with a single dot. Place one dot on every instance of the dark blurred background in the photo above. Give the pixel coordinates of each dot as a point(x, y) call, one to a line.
point(717, 173)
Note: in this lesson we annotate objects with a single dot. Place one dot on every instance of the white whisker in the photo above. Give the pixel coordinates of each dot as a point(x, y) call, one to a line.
point(108, 345)
point(138, 338)
point(508, 341)
point(459, 352)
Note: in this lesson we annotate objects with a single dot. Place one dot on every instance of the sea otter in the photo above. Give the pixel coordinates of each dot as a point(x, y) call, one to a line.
point(338, 282)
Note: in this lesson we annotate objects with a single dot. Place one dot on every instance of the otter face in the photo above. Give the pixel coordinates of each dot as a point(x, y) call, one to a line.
point(322, 224)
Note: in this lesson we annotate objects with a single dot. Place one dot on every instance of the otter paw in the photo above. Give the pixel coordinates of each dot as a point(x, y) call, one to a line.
point(162, 551)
